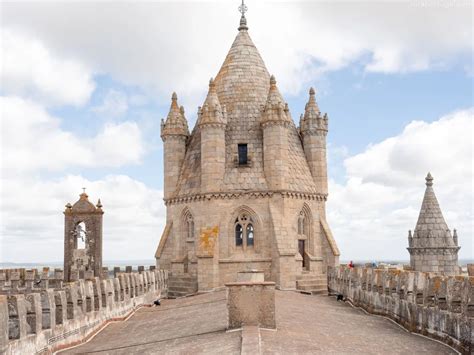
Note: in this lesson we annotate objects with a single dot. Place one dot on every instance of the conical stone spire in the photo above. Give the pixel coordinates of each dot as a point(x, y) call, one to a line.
point(176, 123)
point(431, 226)
point(432, 247)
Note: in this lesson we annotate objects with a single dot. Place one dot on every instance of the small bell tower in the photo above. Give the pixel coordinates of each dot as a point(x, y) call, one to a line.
point(82, 238)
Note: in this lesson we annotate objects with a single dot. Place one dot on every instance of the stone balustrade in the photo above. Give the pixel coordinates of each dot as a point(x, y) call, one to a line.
point(13, 281)
point(45, 319)
point(441, 307)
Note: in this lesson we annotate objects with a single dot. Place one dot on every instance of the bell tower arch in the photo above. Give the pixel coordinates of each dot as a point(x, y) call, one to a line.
point(82, 238)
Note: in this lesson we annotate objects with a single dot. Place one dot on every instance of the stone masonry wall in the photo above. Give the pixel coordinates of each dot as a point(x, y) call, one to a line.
point(441, 307)
point(41, 319)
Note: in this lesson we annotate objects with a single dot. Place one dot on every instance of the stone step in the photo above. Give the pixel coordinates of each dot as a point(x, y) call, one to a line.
point(312, 288)
point(182, 283)
point(311, 277)
point(311, 283)
point(177, 294)
point(183, 277)
point(183, 289)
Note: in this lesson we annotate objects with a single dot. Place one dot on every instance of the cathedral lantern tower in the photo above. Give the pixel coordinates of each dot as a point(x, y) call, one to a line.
point(246, 189)
point(314, 129)
point(212, 122)
point(82, 238)
point(174, 133)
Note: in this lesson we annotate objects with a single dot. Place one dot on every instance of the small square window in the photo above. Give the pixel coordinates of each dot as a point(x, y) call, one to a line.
point(242, 154)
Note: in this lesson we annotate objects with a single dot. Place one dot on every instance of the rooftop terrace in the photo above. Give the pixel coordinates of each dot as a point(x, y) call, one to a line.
point(305, 324)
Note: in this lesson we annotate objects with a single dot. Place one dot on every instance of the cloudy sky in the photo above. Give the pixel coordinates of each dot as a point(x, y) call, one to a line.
point(85, 84)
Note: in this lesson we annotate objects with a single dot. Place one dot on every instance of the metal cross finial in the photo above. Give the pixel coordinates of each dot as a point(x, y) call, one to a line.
point(243, 8)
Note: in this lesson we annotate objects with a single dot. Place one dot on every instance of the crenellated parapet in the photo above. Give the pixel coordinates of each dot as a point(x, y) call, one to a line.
point(46, 319)
point(441, 307)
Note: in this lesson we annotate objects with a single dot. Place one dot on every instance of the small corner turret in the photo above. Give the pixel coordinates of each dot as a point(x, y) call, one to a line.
point(212, 120)
point(174, 133)
point(314, 129)
point(275, 122)
point(432, 248)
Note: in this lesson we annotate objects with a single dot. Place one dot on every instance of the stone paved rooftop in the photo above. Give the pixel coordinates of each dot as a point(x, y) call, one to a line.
point(306, 324)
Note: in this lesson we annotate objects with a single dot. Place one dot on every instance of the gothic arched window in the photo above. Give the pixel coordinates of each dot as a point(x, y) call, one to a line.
point(244, 231)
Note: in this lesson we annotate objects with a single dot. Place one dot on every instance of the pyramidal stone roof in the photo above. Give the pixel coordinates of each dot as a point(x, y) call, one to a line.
point(242, 86)
point(431, 229)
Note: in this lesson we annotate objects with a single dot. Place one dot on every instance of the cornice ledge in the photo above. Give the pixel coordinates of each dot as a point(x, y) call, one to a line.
point(245, 194)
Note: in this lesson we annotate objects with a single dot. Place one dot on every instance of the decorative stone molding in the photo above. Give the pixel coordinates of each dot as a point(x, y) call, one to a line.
point(315, 132)
point(285, 124)
point(434, 251)
point(245, 194)
point(177, 137)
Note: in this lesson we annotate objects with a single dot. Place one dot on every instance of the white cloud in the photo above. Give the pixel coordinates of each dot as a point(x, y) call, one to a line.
point(166, 46)
point(33, 140)
point(372, 212)
point(32, 70)
point(32, 220)
point(115, 104)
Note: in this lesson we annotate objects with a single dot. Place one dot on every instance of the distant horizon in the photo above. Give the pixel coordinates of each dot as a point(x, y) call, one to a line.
point(147, 262)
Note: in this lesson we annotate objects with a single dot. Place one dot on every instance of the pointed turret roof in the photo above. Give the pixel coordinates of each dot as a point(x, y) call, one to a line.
point(431, 229)
point(275, 108)
point(211, 111)
point(312, 120)
point(176, 123)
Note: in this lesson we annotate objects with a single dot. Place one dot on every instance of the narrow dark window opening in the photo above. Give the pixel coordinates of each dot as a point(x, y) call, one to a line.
point(242, 154)
point(238, 234)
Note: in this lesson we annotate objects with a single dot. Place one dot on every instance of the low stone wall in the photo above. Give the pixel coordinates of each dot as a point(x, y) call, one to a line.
point(441, 307)
point(48, 319)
